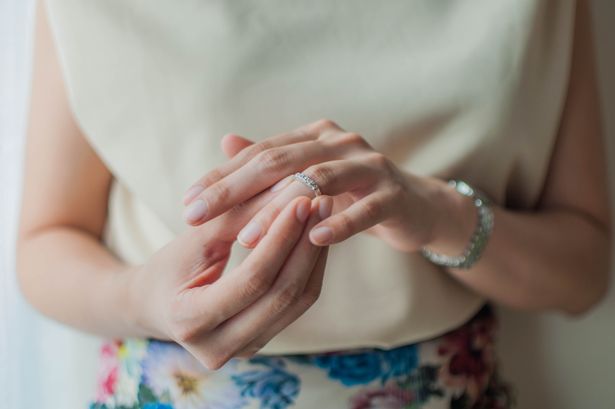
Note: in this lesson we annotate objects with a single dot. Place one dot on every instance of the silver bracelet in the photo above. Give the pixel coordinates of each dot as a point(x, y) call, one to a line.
point(479, 239)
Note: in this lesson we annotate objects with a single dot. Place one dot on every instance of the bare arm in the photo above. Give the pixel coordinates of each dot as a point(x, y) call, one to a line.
point(64, 271)
point(556, 257)
point(179, 292)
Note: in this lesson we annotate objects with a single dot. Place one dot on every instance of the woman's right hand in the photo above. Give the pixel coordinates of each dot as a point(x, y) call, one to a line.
point(181, 294)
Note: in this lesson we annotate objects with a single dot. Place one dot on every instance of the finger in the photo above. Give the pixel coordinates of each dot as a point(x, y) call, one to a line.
point(308, 132)
point(300, 134)
point(365, 213)
point(232, 144)
point(254, 230)
point(202, 308)
point(226, 226)
point(242, 156)
point(287, 292)
point(258, 226)
point(206, 245)
point(311, 293)
point(333, 177)
point(270, 166)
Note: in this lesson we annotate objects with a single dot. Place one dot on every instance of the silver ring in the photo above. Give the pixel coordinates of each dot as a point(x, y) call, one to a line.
point(308, 181)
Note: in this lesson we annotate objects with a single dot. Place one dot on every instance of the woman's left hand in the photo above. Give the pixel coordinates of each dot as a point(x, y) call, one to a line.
point(370, 192)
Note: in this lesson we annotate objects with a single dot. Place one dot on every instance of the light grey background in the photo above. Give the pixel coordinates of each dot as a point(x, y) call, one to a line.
point(555, 362)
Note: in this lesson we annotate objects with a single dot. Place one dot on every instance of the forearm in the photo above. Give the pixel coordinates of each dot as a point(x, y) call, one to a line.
point(69, 276)
point(545, 259)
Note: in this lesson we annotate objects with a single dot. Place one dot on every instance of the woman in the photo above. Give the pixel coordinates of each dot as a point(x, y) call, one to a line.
point(498, 97)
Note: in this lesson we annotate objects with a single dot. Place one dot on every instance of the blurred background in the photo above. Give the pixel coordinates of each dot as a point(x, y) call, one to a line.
point(555, 362)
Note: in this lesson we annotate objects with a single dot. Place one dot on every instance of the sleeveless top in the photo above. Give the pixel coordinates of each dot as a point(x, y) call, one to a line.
point(465, 89)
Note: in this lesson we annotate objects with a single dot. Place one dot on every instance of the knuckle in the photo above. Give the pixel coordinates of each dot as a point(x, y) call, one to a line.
point(351, 139)
point(198, 264)
point(273, 160)
point(237, 210)
point(183, 332)
point(255, 149)
point(300, 132)
point(322, 174)
point(379, 160)
point(214, 360)
point(324, 123)
point(220, 192)
point(255, 285)
point(310, 296)
point(345, 222)
point(287, 296)
point(397, 192)
point(371, 209)
point(212, 177)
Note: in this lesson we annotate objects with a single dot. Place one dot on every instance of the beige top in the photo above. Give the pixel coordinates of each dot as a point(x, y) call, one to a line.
point(468, 89)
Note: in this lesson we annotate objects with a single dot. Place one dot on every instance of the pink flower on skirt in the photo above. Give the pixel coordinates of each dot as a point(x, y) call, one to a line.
point(108, 370)
point(389, 396)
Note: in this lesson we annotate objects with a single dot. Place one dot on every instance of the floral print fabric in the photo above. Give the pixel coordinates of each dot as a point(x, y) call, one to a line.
point(456, 370)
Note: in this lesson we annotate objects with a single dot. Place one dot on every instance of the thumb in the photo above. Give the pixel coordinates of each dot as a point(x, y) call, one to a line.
point(232, 144)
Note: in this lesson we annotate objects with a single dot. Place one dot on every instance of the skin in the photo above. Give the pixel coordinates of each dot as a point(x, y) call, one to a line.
point(555, 256)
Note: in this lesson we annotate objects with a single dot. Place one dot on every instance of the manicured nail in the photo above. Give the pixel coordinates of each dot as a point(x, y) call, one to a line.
point(322, 234)
point(324, 208)
point(303, 211)
point(280, 184)
point(250, 233)
point(192, 193)
point(195, 211)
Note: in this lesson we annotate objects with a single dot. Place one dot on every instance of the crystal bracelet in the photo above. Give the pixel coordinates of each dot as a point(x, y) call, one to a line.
point(479, 238)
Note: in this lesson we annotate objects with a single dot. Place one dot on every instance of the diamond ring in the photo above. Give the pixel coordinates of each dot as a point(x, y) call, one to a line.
point(308, 181)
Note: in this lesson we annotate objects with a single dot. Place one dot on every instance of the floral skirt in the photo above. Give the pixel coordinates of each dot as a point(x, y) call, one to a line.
point(455, 370)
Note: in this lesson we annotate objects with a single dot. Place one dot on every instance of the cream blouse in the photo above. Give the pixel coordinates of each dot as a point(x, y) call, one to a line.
point(466, 89)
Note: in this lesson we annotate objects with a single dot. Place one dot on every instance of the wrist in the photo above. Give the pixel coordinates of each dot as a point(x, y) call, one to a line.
point(455, 220)
point(135, 304)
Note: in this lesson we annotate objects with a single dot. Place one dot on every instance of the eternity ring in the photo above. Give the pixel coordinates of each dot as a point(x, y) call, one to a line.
point(308, 181)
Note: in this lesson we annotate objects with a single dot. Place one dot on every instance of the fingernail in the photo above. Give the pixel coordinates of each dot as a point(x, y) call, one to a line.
point(250, 233)
point(322, 234)
point(303, 211)
point(279, 185)
point(324, 208)
point(192, 193)
point(195, 211)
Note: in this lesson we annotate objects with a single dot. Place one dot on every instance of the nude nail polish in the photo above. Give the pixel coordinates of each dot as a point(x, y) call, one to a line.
point(250, 233)
point(195, 211)
point(322, 235)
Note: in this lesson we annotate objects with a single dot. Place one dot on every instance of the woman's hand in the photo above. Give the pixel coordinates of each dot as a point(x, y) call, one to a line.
point(181, 293)
point(370, 192)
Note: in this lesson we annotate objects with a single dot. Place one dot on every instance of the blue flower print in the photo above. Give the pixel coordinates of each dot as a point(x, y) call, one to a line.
point(157, 406)
point(361, 368)
point(274, 386)
point(399, 361)
point(351, 369)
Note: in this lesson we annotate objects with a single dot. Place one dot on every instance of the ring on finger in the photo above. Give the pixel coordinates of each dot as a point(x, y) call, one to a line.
point(308, 181)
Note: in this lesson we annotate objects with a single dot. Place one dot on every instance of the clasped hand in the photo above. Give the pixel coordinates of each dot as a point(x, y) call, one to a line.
point(218, 316)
